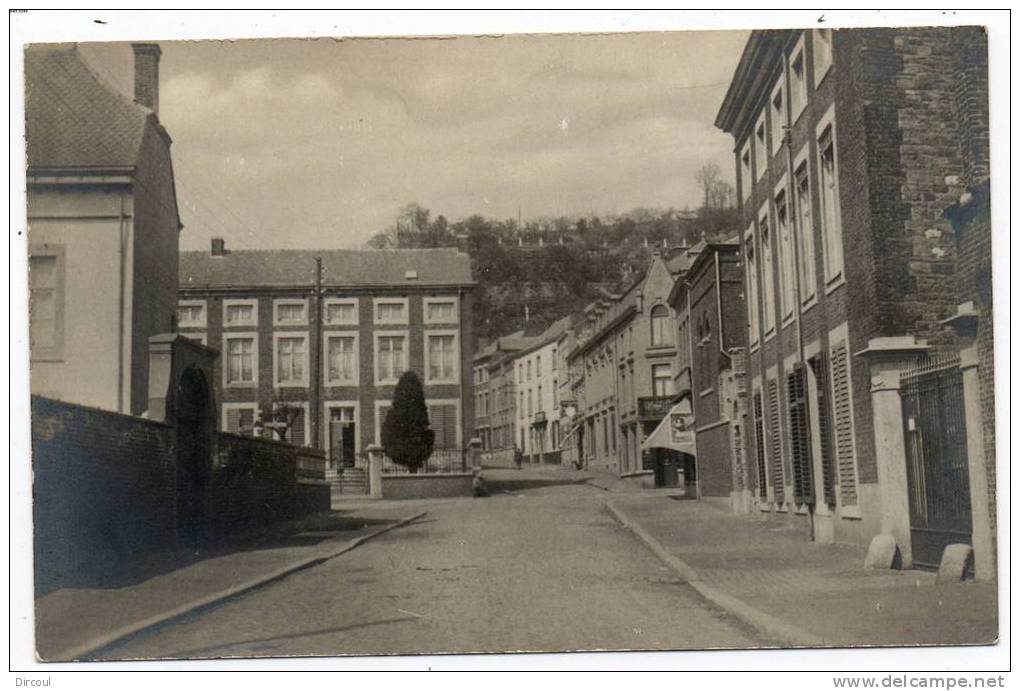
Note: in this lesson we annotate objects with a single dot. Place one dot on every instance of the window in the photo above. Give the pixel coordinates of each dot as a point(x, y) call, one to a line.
point(341, 359)
point(761, 156)
point(520, 372)
point(341, 312)
point(798, 81)
point(241, 367)
point(191, 314)
point(239, 418)
point(745, 170)
point(822, 45)
point(662, 380)
point(787, 278)
point(529, 370)
point(46, 305)
point(391, 311)
point(538, 366)
point(390, 358)
point(828, 182)
point(291, 358)
point(531, 402)
point(441, 353)
point(661, 333)
point(767, 272)
point(296, 416)
point(555, 360)
point(240, 313)
point(443, 421)
point(777, 115)
point(556, 394)
point(539, 405)
point(290, 312)
point(752, 285)
point(440, 311)
point(802, 185)
point(520, 408)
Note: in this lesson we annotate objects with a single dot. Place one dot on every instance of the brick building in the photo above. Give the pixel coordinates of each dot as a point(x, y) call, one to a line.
point(329, 352)
point(850, 146)
point(102, 229)
point(621, 369)
point(537, 374)
point(712, 335)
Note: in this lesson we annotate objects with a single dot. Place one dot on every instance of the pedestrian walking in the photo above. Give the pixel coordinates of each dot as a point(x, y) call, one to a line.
point(518, 457)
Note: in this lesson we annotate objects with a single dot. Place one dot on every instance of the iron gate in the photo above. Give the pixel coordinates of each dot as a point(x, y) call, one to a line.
point(936, 444)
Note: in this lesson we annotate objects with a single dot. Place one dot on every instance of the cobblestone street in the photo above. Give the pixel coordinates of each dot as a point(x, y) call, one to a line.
point(539, 566)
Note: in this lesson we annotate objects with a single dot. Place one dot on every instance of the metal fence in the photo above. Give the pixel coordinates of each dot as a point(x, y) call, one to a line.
point(441, 461)
point(935, 435)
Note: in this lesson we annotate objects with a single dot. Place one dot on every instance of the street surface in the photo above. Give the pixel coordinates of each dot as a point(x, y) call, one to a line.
point(539, 566)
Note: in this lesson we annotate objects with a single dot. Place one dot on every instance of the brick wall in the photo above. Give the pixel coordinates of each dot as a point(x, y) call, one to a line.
point(256, 482)
point(104, 487)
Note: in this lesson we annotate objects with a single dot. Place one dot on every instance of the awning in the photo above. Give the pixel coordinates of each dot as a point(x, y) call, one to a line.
point(675, 431)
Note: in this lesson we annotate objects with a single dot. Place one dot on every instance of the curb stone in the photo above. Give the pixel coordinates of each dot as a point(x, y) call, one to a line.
point(82, 651)
point(765, 623)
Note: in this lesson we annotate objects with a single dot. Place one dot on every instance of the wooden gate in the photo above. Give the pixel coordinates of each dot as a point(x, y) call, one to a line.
point(935, 436)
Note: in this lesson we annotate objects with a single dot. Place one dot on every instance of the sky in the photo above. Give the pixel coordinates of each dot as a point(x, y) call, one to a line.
point(293, 143)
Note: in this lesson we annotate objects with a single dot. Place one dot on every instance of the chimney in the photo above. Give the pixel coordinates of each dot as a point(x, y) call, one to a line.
point(219, 247)
point(147, 75)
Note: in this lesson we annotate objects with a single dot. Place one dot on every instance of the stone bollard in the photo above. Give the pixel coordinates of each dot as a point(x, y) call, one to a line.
point(475, 453)
point(375, 460)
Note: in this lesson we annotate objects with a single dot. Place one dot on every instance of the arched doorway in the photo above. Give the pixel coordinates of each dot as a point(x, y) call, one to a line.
point(194, 456)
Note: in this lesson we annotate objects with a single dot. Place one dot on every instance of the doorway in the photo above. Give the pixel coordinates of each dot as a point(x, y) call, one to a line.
point(194, 457)
point(343, 445)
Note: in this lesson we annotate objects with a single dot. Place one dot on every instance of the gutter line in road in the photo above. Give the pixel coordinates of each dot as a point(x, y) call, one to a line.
point(765, 623)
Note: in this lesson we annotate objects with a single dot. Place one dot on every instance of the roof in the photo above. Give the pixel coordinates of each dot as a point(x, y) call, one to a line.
point(550, 335)
point(73, 119)
point(753, 78)
point(296, 268)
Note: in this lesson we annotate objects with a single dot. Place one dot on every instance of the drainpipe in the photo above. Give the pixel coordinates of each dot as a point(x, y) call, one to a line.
point(797, 234)
point(121, 303)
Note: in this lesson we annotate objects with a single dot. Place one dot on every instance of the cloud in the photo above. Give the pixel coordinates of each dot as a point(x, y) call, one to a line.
point(318, 143)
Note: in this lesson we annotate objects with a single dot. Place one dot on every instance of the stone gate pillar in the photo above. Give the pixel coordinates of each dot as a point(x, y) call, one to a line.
point(375, 461)
point(965, 323)
point(887, 357)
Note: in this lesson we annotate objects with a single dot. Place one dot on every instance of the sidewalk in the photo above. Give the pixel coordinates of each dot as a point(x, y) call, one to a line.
point(74, 623)
point(804, 593)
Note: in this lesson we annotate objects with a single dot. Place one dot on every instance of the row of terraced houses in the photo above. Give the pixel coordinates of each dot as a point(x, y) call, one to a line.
point(833, 353)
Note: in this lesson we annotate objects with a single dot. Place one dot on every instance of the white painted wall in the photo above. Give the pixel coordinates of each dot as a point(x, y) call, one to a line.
point(88, 227)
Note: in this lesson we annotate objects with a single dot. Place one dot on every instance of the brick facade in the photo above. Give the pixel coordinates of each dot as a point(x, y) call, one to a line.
point(710, 309)
point(331, 409)
point(893, 100)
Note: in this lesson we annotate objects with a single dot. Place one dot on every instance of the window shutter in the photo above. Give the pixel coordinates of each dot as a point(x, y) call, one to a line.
point(841, 403)
point(800, 440)
point(825, 430)
point(759, 436)
point(443, 421)
point(776, 444)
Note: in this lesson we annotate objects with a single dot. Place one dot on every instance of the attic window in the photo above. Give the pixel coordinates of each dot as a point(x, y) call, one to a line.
point(411, 275)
